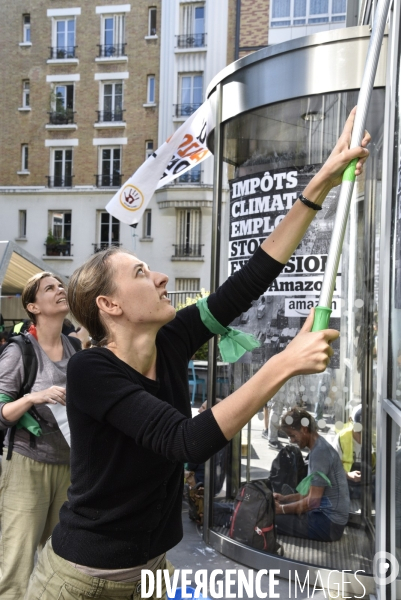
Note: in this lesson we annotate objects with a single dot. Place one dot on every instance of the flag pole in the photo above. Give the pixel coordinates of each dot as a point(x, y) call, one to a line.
point(323, 310)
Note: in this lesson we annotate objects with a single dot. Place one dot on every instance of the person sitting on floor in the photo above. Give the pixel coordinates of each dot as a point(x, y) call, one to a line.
point(320, 511)
point(348, 444)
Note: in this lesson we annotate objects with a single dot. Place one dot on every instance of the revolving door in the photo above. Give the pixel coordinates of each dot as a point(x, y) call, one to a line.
point(279, 114)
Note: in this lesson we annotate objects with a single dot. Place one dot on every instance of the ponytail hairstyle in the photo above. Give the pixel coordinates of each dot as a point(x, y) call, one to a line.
point(94, 278)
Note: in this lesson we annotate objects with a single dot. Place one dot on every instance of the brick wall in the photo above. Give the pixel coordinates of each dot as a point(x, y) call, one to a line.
point(29, 127)
point(254, 23)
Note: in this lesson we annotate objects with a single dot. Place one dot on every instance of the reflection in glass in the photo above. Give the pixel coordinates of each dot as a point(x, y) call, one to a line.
point(272, 153)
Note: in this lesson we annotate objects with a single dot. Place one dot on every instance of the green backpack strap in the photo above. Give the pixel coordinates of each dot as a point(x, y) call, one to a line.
point(304, 485)
point(27, 421)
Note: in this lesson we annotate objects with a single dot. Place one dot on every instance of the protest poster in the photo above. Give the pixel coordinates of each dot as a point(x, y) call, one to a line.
point(258, 202)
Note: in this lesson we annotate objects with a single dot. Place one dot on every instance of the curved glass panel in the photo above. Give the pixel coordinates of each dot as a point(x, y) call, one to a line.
point(394, 379)
point(272, 153)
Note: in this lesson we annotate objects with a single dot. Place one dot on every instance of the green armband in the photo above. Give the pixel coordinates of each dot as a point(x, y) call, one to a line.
point(26, 421)
point(233, 343)
point(304, 485)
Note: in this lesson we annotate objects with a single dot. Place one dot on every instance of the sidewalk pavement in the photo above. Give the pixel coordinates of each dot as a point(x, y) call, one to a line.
point(193, 554)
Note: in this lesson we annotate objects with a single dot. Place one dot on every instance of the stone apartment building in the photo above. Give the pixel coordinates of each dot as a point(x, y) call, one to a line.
point(89, 90)
point(197, 41)
point(79, 95)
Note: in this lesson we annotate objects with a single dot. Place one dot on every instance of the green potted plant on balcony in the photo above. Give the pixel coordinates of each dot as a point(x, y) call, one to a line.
point(51, 243)
point(62, 247)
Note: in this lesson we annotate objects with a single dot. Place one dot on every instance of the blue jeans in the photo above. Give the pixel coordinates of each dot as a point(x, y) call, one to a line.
point(313, 525)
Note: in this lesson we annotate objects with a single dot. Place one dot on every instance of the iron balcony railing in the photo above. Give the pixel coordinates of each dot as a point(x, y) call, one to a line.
point(180, 297)
point(58, 248)
point(191, 40)
point(189, 177)
point(193, 250)
point(57, 181)
point(104, 245)
point(113, 180)
point(110, 116)
point(64, 117)
point(111, 50)
point(62, 52)
point(184, 110)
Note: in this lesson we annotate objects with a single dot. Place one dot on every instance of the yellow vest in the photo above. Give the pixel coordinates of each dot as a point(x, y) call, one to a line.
point(347, 446)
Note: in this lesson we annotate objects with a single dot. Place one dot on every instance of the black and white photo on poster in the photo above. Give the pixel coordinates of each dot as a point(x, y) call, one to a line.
point(258, 202)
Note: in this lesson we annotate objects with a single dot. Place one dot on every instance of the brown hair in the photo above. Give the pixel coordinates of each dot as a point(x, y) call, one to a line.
point(31, 289)
point(293, 419)
point(94, 278)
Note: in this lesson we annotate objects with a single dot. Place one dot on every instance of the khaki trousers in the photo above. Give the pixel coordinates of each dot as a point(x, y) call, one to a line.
point(56, 579)
point(31, 495)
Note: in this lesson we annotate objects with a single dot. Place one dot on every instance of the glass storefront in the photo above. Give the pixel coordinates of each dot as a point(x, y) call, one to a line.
point(270, 146)
point(272, 153)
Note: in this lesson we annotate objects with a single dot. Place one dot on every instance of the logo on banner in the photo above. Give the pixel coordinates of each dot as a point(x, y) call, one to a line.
point(131, 197)
point(300, 307)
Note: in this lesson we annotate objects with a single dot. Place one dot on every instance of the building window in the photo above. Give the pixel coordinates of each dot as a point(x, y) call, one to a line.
point(192, 26)
point(148, 148)
point(63, 43)
point(112, 40)
point(109, 232)
point(24, 157)
point(147, 223)
point(61, 225)
point(111, 102)
point(191, 176)
point(188, 232)
point(151, 90)
point(26, 32)
point(110, 167)
point(58, 241)
point(62, 106)
point(61, 168)
point(286, 13)
point(22, 223)
point(190, 94)
point(25, 94)
point(152, 21)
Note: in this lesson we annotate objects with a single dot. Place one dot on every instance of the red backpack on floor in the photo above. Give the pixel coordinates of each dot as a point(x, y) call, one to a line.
point(253, 518)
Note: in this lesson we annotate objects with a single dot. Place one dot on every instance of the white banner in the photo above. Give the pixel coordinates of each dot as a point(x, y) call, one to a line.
point(182, 151)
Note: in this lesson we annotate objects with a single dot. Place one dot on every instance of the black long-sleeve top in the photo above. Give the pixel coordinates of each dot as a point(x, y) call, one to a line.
point(130, 436)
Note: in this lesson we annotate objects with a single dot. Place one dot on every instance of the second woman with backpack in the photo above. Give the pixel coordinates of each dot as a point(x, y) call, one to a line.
point(36, 474)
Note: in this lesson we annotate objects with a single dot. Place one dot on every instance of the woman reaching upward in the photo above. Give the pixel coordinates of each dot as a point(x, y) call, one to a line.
point(129, 409)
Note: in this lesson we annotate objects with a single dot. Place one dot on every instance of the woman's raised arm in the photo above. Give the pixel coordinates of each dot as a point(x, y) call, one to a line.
point(283, 241)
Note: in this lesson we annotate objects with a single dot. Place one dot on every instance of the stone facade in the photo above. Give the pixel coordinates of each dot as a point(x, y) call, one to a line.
point(47, 61)
point(254, 25)
point(31, 63)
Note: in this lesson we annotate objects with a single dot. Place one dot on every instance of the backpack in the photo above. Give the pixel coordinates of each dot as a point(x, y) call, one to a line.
point(194, 495)
point(252, 522)
point(287, 468)
point(30, 362)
